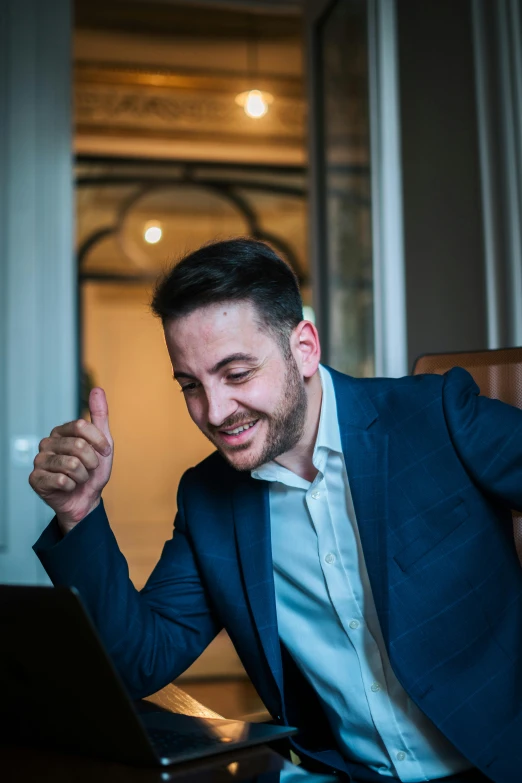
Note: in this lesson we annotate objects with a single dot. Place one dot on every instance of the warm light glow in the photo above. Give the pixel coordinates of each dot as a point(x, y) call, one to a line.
point(152, 233)
point(254, 102)
point(255, 105)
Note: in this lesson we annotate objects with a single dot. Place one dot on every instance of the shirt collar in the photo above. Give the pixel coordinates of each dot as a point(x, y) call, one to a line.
point(328, 435)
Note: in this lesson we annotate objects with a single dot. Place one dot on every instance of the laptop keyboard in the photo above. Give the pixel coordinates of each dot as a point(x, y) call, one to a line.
point(171, 743)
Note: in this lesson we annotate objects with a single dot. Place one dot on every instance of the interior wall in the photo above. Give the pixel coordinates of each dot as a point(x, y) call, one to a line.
point(443, 234)
point(189, 217)
point(155, 439)
point(160, 80)
point(280, 58)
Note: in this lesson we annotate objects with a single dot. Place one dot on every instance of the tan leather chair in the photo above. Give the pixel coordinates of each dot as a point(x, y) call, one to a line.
point(498, 374)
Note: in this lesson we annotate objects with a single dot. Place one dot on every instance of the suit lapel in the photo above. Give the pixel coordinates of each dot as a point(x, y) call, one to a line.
point(252, 525)
point(365, 453)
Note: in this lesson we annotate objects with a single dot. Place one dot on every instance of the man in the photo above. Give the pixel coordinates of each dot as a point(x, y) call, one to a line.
point(353, 536)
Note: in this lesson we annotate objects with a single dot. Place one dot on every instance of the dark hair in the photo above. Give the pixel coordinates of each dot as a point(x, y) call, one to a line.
point(231, 271)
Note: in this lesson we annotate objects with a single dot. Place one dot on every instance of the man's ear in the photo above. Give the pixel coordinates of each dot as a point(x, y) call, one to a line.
point(306, 348)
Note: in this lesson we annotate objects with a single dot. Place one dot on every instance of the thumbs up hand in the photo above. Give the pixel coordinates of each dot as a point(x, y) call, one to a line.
point(74, 464)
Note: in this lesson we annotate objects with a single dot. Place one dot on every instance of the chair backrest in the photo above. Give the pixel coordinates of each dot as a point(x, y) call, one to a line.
point(497, 373)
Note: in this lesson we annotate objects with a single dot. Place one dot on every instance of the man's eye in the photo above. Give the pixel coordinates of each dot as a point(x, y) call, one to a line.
point(188, 387)
point(239, 376)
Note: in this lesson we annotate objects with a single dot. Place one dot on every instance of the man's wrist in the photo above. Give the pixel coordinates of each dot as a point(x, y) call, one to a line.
point(66, 522)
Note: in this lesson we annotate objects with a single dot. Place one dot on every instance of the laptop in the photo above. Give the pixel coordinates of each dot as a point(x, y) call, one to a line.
point(60, 689)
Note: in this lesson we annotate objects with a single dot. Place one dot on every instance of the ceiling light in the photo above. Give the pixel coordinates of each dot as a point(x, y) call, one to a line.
point(152, 232)
point(254, 102)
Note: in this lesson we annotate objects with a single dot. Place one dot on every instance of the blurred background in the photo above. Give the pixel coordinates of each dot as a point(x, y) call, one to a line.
point(376, 144)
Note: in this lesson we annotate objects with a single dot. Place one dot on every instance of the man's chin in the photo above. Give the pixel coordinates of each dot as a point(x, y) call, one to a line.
point(240, 459)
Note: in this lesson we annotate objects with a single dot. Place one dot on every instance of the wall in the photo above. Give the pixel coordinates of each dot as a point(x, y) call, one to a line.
point(279, 58)
point(155, 439)
point(160, 80)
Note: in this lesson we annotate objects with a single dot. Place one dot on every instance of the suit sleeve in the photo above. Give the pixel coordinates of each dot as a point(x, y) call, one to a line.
point(487, 435)
point(153, 635)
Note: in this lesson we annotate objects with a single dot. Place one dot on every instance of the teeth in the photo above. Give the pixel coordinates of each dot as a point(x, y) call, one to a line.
point(239, 429)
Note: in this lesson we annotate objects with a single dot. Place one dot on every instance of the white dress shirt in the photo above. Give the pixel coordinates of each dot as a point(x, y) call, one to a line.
point(327, 618)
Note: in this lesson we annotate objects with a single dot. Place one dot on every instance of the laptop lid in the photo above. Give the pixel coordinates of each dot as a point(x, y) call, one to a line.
point(58, 685)
point(59, 688)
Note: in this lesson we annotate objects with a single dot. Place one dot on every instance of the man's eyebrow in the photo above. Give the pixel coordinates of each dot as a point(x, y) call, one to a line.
point(177, 375)
point(234, 357)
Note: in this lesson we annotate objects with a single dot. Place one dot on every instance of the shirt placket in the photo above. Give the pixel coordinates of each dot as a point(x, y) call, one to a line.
point(351, 617)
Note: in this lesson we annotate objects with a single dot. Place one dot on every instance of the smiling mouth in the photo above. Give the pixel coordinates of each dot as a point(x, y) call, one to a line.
point(240, 429)
point(239, 435)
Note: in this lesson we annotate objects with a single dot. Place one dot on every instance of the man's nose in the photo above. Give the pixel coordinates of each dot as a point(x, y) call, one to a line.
point(220, 407)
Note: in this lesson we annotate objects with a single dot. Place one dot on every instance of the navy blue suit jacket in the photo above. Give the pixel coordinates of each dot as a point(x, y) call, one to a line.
point(434, 470)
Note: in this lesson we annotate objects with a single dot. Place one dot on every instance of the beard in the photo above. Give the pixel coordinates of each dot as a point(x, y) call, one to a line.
point(284, 426)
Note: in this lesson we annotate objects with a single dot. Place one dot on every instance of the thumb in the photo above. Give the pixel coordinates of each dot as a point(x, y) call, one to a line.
point(99, 411)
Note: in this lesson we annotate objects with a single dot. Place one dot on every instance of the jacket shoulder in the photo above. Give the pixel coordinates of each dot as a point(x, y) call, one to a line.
point(420, 386)
point(395, 399)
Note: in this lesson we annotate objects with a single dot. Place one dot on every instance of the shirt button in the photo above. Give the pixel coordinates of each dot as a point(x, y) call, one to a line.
point(330, 558)
point(375, 687)
point(401, 755)
point(316, 494)
point(354, 624)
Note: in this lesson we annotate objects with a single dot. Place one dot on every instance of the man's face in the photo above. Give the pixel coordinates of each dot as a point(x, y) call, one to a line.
point(243, 394)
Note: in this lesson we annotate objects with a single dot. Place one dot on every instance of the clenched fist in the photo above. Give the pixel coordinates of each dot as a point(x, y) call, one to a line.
point(74, 464)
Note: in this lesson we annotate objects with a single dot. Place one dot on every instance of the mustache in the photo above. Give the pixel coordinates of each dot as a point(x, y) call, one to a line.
point(236, 421)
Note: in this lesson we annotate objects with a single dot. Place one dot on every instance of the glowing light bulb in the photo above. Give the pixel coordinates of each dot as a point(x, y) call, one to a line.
point(153, 233)
point(255, 103)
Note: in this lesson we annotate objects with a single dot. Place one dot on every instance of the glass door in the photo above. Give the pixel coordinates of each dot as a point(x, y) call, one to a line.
point(356, 185)
point(341, 183)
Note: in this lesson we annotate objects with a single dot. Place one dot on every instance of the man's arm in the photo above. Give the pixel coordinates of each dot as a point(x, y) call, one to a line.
point(487, 435)
point(153, 635)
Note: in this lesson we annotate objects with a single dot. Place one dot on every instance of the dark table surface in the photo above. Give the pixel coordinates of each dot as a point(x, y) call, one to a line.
point(20, 764)
point(31, 765)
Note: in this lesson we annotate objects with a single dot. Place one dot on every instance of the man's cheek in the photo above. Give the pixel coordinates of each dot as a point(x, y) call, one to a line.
point(258, 399)
point(195, 413)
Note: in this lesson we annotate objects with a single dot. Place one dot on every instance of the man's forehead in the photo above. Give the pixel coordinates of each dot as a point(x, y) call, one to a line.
point(214, 336)
point(225, 319)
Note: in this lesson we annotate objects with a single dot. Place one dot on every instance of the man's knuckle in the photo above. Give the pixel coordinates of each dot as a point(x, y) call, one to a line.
point(39, 482)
